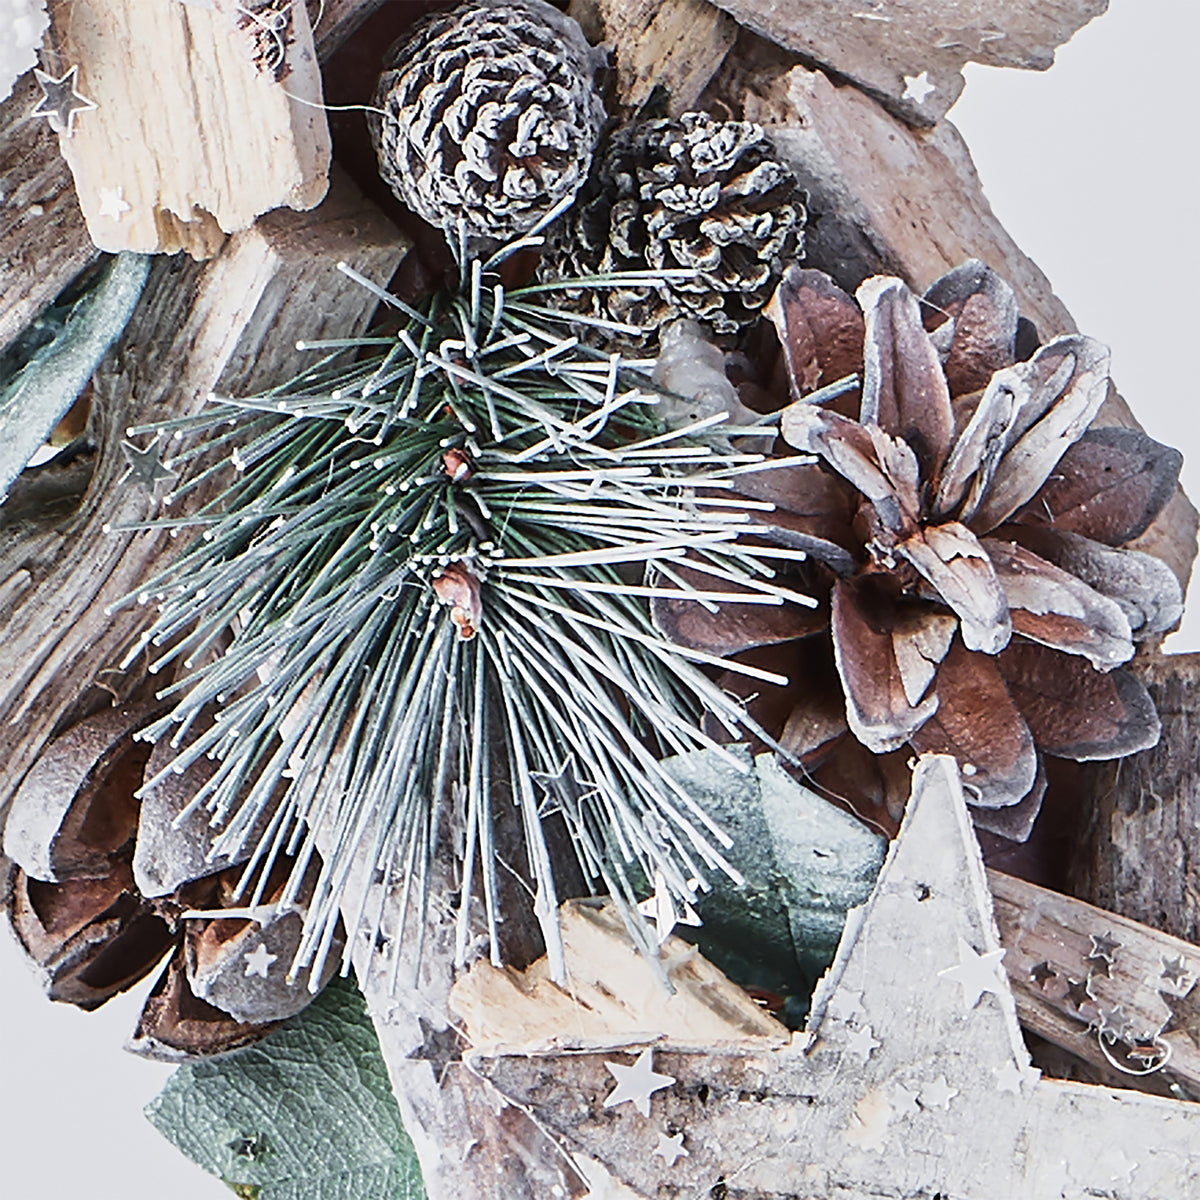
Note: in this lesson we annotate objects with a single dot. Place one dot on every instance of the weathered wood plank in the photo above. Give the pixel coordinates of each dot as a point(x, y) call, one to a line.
point(1099, 985)
point(43, 239)
point(225, 121)
point(231, 324)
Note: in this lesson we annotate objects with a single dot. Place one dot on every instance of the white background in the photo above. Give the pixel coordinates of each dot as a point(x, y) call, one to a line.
point(1092, 166)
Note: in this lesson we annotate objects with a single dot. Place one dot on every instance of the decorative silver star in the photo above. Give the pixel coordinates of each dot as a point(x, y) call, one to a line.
point(670, 1148)
point(937, 1094)
point(918, 87)
point(978, 973)
point(637, 1083)
point(1008, 1078)
point(113, 204)
point(1104, 946)
point(145, 466)
point(60, 101)
point(259, 960)
point(860, 1042)
point(660, 908)
point(1175, 970)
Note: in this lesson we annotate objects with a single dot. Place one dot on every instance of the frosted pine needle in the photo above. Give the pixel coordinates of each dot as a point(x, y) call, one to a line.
point(424, 593)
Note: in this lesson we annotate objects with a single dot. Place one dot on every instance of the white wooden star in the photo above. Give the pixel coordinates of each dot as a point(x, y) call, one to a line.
point(637, 1083)
point(918, 87)
point(112, 203)
point(738, 1103)
point(60, 101)
point(977, 973)
point(259, 960)
point(670, 1148)
point(1008, 1078)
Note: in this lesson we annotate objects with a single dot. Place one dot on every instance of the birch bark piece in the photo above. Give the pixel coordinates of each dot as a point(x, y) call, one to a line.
point(910, 53)
point(203, 120)
point(916, 1041)
point(233, 324)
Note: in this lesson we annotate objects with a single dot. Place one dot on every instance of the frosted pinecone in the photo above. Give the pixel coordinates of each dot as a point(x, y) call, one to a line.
point(492, 118)
point(693, 193)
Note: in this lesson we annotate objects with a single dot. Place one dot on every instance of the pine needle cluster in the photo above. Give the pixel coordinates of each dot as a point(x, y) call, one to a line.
point(423, 592)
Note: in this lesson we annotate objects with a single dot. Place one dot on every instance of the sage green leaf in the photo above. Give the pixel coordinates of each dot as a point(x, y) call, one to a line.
point(305, 1114)
point(805, 861)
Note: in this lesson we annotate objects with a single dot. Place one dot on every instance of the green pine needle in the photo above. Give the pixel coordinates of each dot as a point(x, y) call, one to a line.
point(425, 593)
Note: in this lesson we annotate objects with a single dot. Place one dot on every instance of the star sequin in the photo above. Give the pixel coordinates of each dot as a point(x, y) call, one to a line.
point(60, 101)
point(113, 204)
point(670, 1148)
point(918, 87)
point(259, 960)
point(860, 1042)
point(660, 908)
point(145, 466)
point(637, 1083)
point(1175, 970)
point(937, 1094)
point(1104, 946)
point(977, 973)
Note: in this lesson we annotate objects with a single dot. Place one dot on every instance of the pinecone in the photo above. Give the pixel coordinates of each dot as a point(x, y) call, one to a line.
point(692, 193)
point(491, 118)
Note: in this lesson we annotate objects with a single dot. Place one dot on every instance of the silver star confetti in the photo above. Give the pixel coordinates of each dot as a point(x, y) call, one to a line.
point(860, 1042)
point(937, 1094)
point(637, 1083)
point(60, 101)
point(259, 960)
point(670, 1148)
point(660, 908)
point(918, 87)
point(145, 466)
point(977, 973)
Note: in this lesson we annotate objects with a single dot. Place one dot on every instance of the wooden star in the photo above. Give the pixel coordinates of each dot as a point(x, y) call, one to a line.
point(810, 1119)
point(60, 101)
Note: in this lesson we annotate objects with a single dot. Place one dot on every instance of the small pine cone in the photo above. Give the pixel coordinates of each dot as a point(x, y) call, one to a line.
point(691, 193)
point(491, 117)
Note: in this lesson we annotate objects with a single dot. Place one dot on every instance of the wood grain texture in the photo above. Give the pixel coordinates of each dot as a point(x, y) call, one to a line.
point(43, 239)
point(231, 324)
point(204, 119)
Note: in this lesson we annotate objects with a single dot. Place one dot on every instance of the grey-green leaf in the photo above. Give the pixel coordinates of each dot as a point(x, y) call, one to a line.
point(306, 1114)
point(805, 861)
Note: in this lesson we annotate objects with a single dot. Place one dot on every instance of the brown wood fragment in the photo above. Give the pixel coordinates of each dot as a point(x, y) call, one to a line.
point(43, 240)
point(223, 123)
point(1099, 985)
point(231, 324)
point(677, 45)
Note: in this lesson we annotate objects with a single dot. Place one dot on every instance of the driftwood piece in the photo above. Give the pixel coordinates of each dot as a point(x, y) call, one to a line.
point(917, 1082)
point(1106, 989)
point(910, 53)
point(223, 123)
point(676, 45)
point(1137, 854)
point(43, 239)
point(231, 324)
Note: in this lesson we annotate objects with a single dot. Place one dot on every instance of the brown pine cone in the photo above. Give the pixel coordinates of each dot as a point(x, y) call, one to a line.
point(491, 118)
point(693, 193)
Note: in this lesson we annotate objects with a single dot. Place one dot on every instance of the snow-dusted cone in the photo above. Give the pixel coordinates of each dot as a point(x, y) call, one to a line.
point(491, 118)
point(704, 198)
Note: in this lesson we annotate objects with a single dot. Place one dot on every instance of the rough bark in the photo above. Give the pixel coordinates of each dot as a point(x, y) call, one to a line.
point(231, 324)
point(1136, 855)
